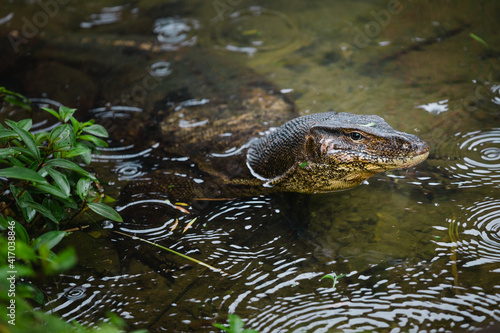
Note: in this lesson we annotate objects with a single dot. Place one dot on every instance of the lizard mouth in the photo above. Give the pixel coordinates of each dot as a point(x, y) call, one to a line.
point(421, 152)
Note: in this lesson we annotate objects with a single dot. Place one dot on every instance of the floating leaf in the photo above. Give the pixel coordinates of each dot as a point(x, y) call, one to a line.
point(105, 211)
point(190, 223)
point(303, 164)
point(175, 225)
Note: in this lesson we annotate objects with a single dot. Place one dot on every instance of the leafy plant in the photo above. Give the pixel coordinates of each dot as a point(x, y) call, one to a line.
point(42, 188)
point(334, 277)
point(236, 325)
point(14, 98)
point(41, 175)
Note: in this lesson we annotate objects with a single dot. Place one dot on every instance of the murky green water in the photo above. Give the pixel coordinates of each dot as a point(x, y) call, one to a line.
point(420, 247)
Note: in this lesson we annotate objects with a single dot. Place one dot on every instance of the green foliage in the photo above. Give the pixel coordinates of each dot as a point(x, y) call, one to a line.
point(334, 277)
point(14, 99)
point(236, 325)
point(43, 187)
point(479, 39)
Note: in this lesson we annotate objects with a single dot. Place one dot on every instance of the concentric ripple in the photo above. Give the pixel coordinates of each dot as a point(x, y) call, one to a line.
point(255, 29)
point(87, 300)
point(176, 32)
point(480, 159)
point(476, 234)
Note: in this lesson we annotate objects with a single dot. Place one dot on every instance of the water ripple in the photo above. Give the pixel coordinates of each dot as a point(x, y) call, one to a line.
point(476, 234)
point(175, 32)
point(255, 29)
point(479, 164)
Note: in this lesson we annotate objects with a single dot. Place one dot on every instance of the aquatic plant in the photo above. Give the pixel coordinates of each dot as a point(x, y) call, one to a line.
point(236, 325)
point(334, 277)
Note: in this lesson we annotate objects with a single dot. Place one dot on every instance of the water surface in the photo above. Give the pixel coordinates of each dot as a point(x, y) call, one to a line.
point(420, 248)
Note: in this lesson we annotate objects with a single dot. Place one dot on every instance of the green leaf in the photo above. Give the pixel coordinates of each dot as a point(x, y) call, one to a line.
point(60, 179)
point(334, 277)
point(52, 190)
point(28, 212)
point(21, 233)
point(303, 164)
point(41, 137)
point(54, 207)
point(68, 203)
point(23, 174)
point(221, 327)
point(83, 187)
point(63, 136)
point(63, 261)
point(96, 130)
point(15, 98)
point(98, 142)
point(4, 152)
point(368, 125)
point(31, 291)
point(6, 133)
point(52, 112)
point(80, 150)
point(105, 211)
point(48, 239)
point(479, 39)
point(66, 113)
point(25, 124)
point(26, 137)
point(15, 162)
point(25, 252)
point(65, 164)
point(39, 208)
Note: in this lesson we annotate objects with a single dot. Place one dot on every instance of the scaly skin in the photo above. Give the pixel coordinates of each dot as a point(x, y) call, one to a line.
point(331, 151)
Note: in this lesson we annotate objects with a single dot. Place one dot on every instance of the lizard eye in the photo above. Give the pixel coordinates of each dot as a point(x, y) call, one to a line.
point(355, 136)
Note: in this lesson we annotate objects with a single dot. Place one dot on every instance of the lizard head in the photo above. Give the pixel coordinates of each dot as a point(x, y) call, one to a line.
point(331, 151)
